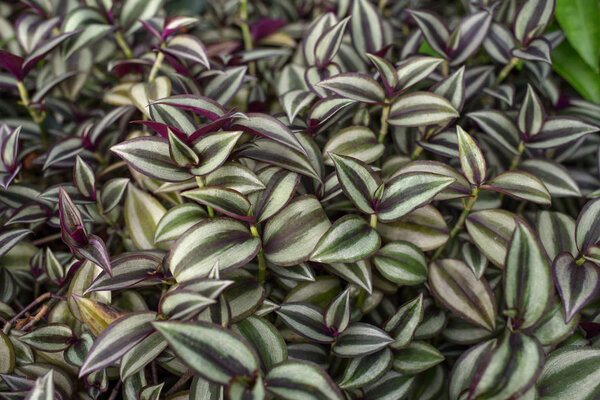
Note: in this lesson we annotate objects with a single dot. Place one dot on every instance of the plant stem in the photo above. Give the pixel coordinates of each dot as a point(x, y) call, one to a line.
point(180, 383)
point(200, 182)
point(262, 262)
point(416, 152)
point(123, 45)
point(385, 114)
point(38, 118)
point(459, 223)
point(46, 239)
point(373, 222)
point(246, 36)
point(580, 261)
point(517, 158)
point(445, 69)
point(156, 66)
point(505, 71)
point(360, 300)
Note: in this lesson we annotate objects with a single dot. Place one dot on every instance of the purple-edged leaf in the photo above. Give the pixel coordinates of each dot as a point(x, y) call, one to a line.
point(457, 287)
point(349, 239)
point(412, 71)
point(358, 273)
point(555, 177)
point(367, 370)
point(338, 312)
point(476, 78)
point(499, 126)
point(43, 389)
point(264, 125)
point(532, 19)
point(200, 105)
point(84, 178)
point(291, 235)
point(225, 84)
point(217, 239)
point(559, 131)
point(472, 161)
point(176, 24)
point(358, 181)
point(417, 357)
point(404, 322)
point(393, 385)
point(355, 86)
point(521, 185)
point(43, 49)
point(407, 192)
point(265, 339)
point(568, 371)
point(215, 353)
point(460, 188)
point(117, 339)
point(142, 94)
point(96, 252)
point(577, 285)
point(112, 193)
point(313, 34)
point(50, 337)
point(366, 27)
point(306, 320)
point(63, 152)
point(133, 11)
point(12, 63)
point(213, 150)
point(280, 188)
point(433, 28)
point(150, 156)
point(129, 270)
point(10, 238)
point(325, 109)
point(470, 33)
point(527, 279)
point(387, 72)
point(510, 369)
point(31, 213)
point(557, 233)
point(531, 114)
point(180, 152)
point(178, 220)
point(73, 231)
point(420, 109)
point(359, 340)
point(354, 141)
point(329, 43)
point(538, 51)
point(183, 304)
point(499, 42)
point(189, 48)
point(292, 380)
point(452, 88)
point(402, 263)
point(294, 101)
point(226, 201)
point(587, 231)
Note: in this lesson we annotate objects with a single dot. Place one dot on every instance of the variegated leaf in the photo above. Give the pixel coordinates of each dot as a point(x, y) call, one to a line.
point(412, 71)
point(366, 27)
point(357, 142)
point(416, 357)
point(365, 370)
point(142, 213)
point(402, 263)
point(293, 380)
point(355, 86)
point(587, 229)
point(50, 337)
point(433, 28)
point(521, 185)
point(559, 131)
point(265, 339)
point(358, 181)
point(532, 19)
point(403, 324)
point(213, 150)
point(420, 109)
point(294, 101)
point(570, 371)
point(554, 176)
point(359, 340)
point(472, 161)
point(491, 231)
point(329, 43)
point(177, 220)
point(306, 320)
point(577, 284)
point(226, 201)
point(268, 127)
point(531, 114)
point(337, 314)
point(499, 127)
point(188, 47)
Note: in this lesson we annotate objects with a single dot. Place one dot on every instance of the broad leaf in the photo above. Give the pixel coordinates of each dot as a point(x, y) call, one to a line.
point(472, 161)
point(521, 185)
point(420, 109)
point(355, 86)
point(417, 357)
point(402, 263)
point(577, 284)
point(359, 340)
point(362, 371)
point(293, 380)
point(570, 371)
point(306, 320)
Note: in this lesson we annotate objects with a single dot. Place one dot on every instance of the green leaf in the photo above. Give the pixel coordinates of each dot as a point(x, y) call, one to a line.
point(349, 239)
point(213, 352)
point(141, 355)
point(112, 193)
point(226, 201)
point(572, 372)
point(7, 354)
point(491, 231)
point(180, 152)
point(417, 357)
point(554, 176)
point(358, 142)
point(520, 185)
point(391, 386)
point(329, 43)
point(587, 230)
point(178, 220)
point(265, 339)
point(472, 161)
point(10, 238)
point(403, 324)
point(237, 177)
point(358, 273)
point(293, 380)
point(415, 69)
point(466, 368)
point(294, 101)
point(213, 150)
point(365, 370)
point(290, 236)
point(552, 328)
point(460, 188)
point(116, 340)
point(457, 287)
point(474, 259)
point(527, 280)
point(338, 312)
point(580, 21)
point(577, 284)
point(306, 320)
point(358, 181)
point(355, 86)
point(84, 178)
point(183, 304)
point(280, 187)
point(217, 239)
point(531, 114)
point(142, 213)
point(387, 71)
point(270, 128)
point(50, 338)
point(402, 263)
point(359, 340)
point(43, 388)
point(409, 191)
point(577, 72)
point(129, 269)
point(420, 109)
point(557, 233)
point(511, 368)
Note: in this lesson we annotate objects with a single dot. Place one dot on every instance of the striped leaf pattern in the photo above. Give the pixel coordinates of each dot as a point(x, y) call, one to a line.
point(499, 127)
point(420, 109)
point(472, 161)
point(355, 86)
point(587, 230)
point(521, 185)
point(491, 231)
point(306, 320)
point(188, 47)
point(359, 340)
point(403, 324)
point(142, 214)
point(417, 357)
point(531, 114)
point(50, 338)
point(337, 314)
point(213, 150)
point(265, 338)
point(366, 27)
point(577, 284)
point(358, 181)
point(280, 187)
point(329, 43)
point(213, 352)
point(268, 127)
point(570, 371)
point(362, 371)
point(177, 220)
point(357, 142)
point(226, 201)
point(293, 380)
point(532, 19)
point(414, 70)
point(527, 278)
point(557, 233)
point(402, 263)
point(554, 176)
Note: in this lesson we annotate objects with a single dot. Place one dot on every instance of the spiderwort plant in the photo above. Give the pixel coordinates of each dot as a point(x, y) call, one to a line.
point(327, 200)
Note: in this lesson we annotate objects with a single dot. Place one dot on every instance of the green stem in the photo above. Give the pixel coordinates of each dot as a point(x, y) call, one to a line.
point(38, 118)
point(459, 223)
point(385, 114)
point(580, 261)
point(156, 66)
point(445, 68)
point(517, 158)
point(123, 45)
point(246, 36)
point(262, 262)
point(373, 222)
point(360, 300)
point(505, 71)
point(200, 183)
point(416, 152)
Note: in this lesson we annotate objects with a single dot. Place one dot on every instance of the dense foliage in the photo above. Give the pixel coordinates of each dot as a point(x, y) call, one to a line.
point(289, 199)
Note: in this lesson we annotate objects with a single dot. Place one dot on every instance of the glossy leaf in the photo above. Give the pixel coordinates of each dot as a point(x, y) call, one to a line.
point(359, 340)
point(306, 320)
point(472, 161)
point(420, 109)
point(292, 380)
point(520, 185)
point(403, 324)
